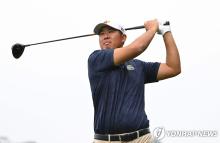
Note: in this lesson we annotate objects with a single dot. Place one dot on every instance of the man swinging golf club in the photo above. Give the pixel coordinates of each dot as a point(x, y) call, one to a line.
point(117, 81)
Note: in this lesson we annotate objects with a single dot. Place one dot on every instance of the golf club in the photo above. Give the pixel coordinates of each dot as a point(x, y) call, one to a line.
point(18, 49)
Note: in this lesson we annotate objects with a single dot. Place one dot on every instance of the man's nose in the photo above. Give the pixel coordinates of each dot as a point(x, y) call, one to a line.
point(106, 35)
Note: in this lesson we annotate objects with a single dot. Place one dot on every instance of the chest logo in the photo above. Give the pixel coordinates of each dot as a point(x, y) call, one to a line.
point(130, 67)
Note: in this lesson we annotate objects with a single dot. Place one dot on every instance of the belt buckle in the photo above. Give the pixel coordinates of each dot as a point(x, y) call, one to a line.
point(119, 138)
point(138, 135)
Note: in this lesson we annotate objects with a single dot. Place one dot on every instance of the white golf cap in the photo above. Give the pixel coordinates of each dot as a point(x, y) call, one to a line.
point(116, 26)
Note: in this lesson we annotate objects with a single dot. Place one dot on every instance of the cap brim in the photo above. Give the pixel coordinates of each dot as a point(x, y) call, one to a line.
point(99, 27)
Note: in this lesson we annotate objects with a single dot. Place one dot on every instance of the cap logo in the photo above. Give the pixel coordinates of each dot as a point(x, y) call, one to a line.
point(107, 21)
point(122, 30)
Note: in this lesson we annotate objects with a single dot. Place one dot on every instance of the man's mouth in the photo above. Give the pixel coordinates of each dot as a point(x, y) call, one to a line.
point(106, 43)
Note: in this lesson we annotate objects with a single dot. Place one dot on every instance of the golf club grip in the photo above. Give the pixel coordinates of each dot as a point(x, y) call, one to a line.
point(140, 27)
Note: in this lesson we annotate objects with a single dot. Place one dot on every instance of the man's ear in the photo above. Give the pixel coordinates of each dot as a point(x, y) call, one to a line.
point(124, 38)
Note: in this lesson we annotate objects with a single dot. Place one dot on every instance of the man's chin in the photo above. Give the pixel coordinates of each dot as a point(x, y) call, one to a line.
point(106, 47)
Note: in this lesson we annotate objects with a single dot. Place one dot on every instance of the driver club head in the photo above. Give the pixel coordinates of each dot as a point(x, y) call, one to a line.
point(17, 50)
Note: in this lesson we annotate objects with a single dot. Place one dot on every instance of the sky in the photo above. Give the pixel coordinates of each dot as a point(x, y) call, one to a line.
point(45, 95)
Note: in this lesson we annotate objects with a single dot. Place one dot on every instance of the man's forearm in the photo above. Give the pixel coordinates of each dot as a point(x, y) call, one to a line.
point(138, 46)
point(142, 42)
point(172, 54)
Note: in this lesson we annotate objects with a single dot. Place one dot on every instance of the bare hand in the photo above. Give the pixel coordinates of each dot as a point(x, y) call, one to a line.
point(152, 25)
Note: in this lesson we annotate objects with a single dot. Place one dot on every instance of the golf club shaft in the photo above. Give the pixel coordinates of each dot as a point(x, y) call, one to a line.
point(60, 39)
point(131, 28)
point(136, 27)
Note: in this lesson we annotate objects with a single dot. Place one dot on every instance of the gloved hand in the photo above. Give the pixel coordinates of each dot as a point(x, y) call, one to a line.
point(164, 26)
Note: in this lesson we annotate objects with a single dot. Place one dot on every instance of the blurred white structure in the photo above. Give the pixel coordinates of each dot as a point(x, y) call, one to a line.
point(4, 139)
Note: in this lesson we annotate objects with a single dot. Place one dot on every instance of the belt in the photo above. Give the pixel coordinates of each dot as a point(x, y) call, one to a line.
point(122, 137)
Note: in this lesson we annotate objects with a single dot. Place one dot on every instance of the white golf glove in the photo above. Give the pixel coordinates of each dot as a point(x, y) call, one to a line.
point(163, 28)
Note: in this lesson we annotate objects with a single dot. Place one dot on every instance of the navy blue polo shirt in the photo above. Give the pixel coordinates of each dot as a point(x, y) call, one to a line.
point(118, 92)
